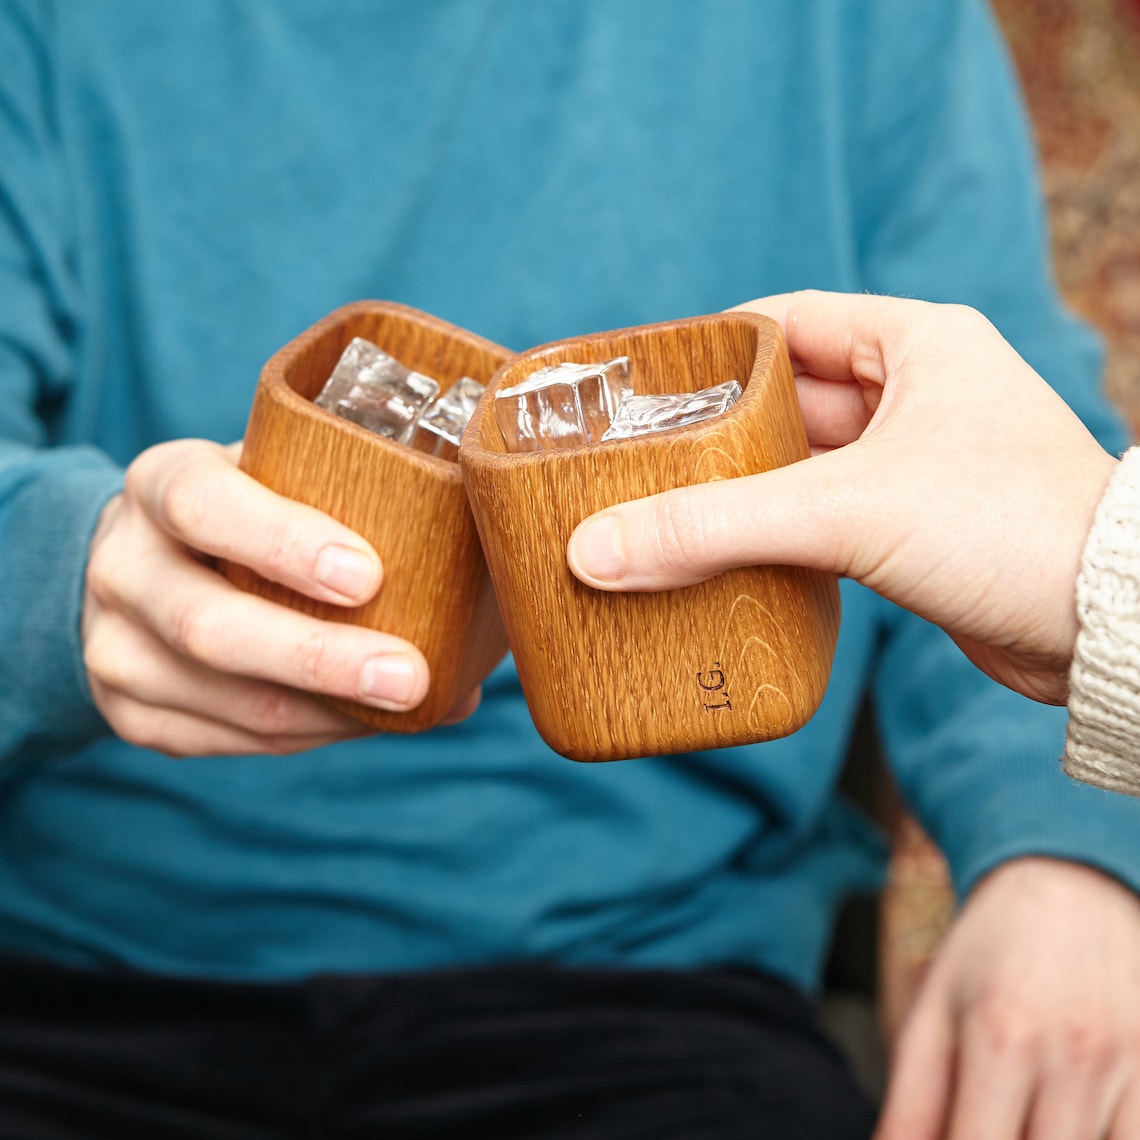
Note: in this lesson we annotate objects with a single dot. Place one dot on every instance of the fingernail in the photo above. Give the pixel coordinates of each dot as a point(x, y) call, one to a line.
point(596, 547)
point(345, 570)
point(387, 681)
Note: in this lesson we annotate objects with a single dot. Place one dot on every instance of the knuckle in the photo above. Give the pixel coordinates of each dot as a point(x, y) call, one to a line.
point(187, 500)
point(1006, 1033)
point(102, 660)
point(103, 571)
point(197, 629)
point(969, 324)
point(147, 466)
point(966, 314)
point(314, 663)
point(137, 477)
point(1086, 1045)
point(135, 724)
point(272, 716)
point(280, 554)
point(110, 557)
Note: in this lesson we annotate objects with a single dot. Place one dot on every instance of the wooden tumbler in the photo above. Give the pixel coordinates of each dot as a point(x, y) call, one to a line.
point(409, 505)
point(740, 658)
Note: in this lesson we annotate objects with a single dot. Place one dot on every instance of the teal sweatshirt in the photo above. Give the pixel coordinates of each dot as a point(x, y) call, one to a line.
point(185, 187)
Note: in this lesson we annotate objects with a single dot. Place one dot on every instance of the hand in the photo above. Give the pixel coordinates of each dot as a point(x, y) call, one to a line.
point(946, 475)
point(182, 661)
point(1028, 1025)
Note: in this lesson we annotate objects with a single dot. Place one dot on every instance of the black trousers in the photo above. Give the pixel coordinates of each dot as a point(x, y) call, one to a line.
point(504, 1052)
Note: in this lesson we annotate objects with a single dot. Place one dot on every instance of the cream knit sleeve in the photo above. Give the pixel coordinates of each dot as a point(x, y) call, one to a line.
point(1103, 743)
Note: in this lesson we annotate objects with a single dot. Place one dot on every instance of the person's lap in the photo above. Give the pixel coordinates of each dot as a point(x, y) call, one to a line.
point(503, 1052)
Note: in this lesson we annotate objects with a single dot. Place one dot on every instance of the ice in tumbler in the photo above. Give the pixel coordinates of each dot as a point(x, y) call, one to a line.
point(440, 428)
point(377, 392)
point(640, 415)
point(565, 405)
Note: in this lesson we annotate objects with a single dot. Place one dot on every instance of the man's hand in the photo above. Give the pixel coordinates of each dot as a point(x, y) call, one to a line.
point(182, 661)
point(1028, 1024)
point(947, 476)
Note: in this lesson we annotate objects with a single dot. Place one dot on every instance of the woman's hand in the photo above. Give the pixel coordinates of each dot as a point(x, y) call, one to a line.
point(946, 475)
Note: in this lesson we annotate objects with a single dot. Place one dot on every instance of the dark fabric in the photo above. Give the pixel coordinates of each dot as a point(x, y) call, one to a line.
point(504, 1052)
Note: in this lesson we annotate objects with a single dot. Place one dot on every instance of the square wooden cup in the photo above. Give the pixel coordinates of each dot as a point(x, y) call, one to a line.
point(410, 506)
point(740, 658)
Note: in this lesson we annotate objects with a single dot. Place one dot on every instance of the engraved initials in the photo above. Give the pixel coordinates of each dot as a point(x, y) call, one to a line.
point(713, 681)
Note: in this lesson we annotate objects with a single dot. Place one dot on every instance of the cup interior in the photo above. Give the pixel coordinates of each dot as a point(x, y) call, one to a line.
point(417, 341)
point(669, 359)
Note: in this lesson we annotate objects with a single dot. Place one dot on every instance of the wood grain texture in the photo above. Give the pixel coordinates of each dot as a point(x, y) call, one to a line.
point(410, 506)
point(740, 658)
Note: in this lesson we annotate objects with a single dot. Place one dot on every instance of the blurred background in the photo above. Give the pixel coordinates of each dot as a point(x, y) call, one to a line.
point(1080, 69)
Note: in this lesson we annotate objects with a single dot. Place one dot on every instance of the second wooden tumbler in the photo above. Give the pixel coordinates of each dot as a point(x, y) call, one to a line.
point(740, 658)
point(410, 506)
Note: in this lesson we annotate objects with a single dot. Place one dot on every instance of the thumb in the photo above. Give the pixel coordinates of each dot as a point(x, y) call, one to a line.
point(804, 514)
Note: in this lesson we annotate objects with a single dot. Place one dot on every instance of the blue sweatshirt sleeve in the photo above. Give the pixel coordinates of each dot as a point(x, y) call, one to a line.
point(50, 496)
point(949, 209)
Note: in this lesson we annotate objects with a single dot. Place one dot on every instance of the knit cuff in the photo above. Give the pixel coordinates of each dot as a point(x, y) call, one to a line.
point(1103, 741)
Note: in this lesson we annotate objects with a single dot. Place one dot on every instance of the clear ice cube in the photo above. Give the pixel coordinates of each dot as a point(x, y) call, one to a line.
point(440, 428)
point(377, 392)
point(562, 406)
point(639, 415)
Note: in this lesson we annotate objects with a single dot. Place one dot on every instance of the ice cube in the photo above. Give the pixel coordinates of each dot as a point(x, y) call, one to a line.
point(639, 415)
point(562, 406)
point(377, 392)
point(440, 428)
